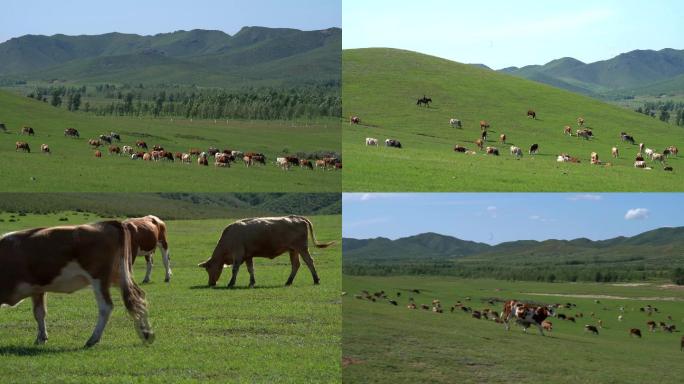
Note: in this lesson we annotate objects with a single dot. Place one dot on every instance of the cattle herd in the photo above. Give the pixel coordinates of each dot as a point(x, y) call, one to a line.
point(102, 254)
point(539, 315)
point(582, 132)
point(220, 158)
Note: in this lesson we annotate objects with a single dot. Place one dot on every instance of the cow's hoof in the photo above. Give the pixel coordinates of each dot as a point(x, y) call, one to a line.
point(167, 280)
point(90, 343)
point(317, 282)
point(40, 341)
point(145, 281)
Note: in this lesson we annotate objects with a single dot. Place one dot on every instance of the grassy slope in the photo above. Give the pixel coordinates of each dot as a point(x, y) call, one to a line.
point(72, 166)
point(433, 348)
point(382, 85)
point(267, 334)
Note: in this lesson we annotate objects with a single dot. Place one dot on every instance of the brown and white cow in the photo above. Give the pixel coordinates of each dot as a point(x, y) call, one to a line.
point(24, 146)
point(484, 124)
point(567, 130)
point(45, 148)
point(147, 234)
point(66, 259)
point(614, 152)
point(268, 237)
point(354, 120)
point(525, 314)
point(28, 131)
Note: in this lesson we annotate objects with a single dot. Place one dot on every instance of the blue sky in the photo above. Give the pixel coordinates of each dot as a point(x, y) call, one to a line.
point(502, 33)
point(148, 17)
point(497, 217)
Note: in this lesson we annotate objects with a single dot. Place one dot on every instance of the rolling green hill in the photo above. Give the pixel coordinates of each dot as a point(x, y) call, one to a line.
point(255, 56)
point(650, 254)
point(72, 166)
point(633, 72)
point(381, 86)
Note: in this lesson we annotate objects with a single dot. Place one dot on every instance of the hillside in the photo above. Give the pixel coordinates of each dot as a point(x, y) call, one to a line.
point(650, 254)
point(255, 56)
point(174, 205)
point(381, 86)
point(637, 72)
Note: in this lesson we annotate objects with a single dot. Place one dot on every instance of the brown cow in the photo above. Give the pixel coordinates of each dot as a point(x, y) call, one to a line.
point(98, 154)
point(484, 124)
point(591, 328)
point(531, 113)
point(502, 138)
point(147, 234)
point(547, 325)
point(268, 237)
point(114, 149)
point(479, 143)
point(354, 120)
point(202, 160)
point(66, 259)
point(24, 146)
point(492, 151)
point(567, 130)
point(635, 332)
point(580, 121)
point(306, 164)
point(94, 143)
point(141, 144)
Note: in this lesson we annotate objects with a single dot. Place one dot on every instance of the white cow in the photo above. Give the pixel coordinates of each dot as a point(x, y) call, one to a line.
point(127, 150)
point(371, 141)
point(516, 151)
point(456, 123)
point(649, 152)
point(283, 163)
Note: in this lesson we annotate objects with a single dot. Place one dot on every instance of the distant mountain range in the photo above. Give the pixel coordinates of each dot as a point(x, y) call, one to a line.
point(661, 248)
point(639, 72)
point(254, 55)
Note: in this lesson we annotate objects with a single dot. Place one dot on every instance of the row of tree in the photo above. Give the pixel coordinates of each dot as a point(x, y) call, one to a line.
point(667, 111)
point(191, 102)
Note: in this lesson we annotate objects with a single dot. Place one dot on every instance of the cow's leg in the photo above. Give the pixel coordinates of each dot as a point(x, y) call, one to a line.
point(294, 260)
point(237, 260)
point(148, 271)
point(541, 330)
point(39, 312)
point(310, 263)
point(166, 258)
point(104, 303)
point(250, 269)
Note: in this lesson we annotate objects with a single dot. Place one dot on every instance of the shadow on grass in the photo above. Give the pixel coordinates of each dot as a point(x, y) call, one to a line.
point(22, 350)
point(241, 287)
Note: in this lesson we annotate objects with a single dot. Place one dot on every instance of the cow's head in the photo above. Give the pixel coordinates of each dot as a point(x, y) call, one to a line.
point(213, 268)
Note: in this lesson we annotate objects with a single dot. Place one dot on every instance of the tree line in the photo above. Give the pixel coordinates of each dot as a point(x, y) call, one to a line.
point(314, 101)
point(667, 111)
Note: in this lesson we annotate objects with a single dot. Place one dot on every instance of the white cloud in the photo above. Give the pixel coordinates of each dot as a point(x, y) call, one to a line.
point(586, 197)
point(637, 214)
point(535, 217)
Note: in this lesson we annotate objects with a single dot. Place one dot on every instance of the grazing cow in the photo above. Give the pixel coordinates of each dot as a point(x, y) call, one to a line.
point(649, 152)
point(492, 151)
point(674, 151)
point(66, 259)
point(127, 150)
point(268, 237)
point(458, 148)
point(620, 318)
point(354, 120)
point(534, 148)
point(393, 302)
point(304, 163)
point(547, 325)
point(525, 314)
point(516, 151)
point(425, 307)
point(392, 143)
point(259, 158)
point(147, 156)
point(584, 133)
point(595, 158)
point(114, 149)
point(98, 154)
point(591, 328)
point(115, 136)
point(531, 113)
point(45, 148)
point(483, 135)
point(158, 147)
point(565, 158)
point(484, 124)
point(147, 234)
point(283, 163)
point(221, 160)
point(186, 158)
point(202, 160)
point(502, 138)
point(635, 332)
point(455, 123)
point(614, 152)
point(141, 144)
point(72, 132)
point(658, 157)
point(424, 101)
point(642, 146)
point(95, 143)
point(247, 160)
point(580, 121)
point(479, 143)
point(561, 316)
point(28, 131)
point(371, 141)
point(178, 156)
point(567, 130)
point(477, 315)
point(668, 169)
point(411, 306)
point(570, 318)
point(24, 146)
point(106, 139)
point(630, 139)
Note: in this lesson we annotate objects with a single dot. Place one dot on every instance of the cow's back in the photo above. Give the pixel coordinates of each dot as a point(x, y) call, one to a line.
point(266, 236)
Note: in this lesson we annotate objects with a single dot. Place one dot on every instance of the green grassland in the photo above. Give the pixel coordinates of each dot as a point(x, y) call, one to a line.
point(381, 86)
point(382, 343)
point(267, 334)
point(73, 167)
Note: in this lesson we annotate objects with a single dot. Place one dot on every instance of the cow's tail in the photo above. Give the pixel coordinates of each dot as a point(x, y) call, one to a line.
point(313, 237)
point(133, 295)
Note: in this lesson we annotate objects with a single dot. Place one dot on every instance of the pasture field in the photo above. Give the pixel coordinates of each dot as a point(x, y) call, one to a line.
point(383, 343)
point(72, 166)
point(381, 87)
point(271, 333)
